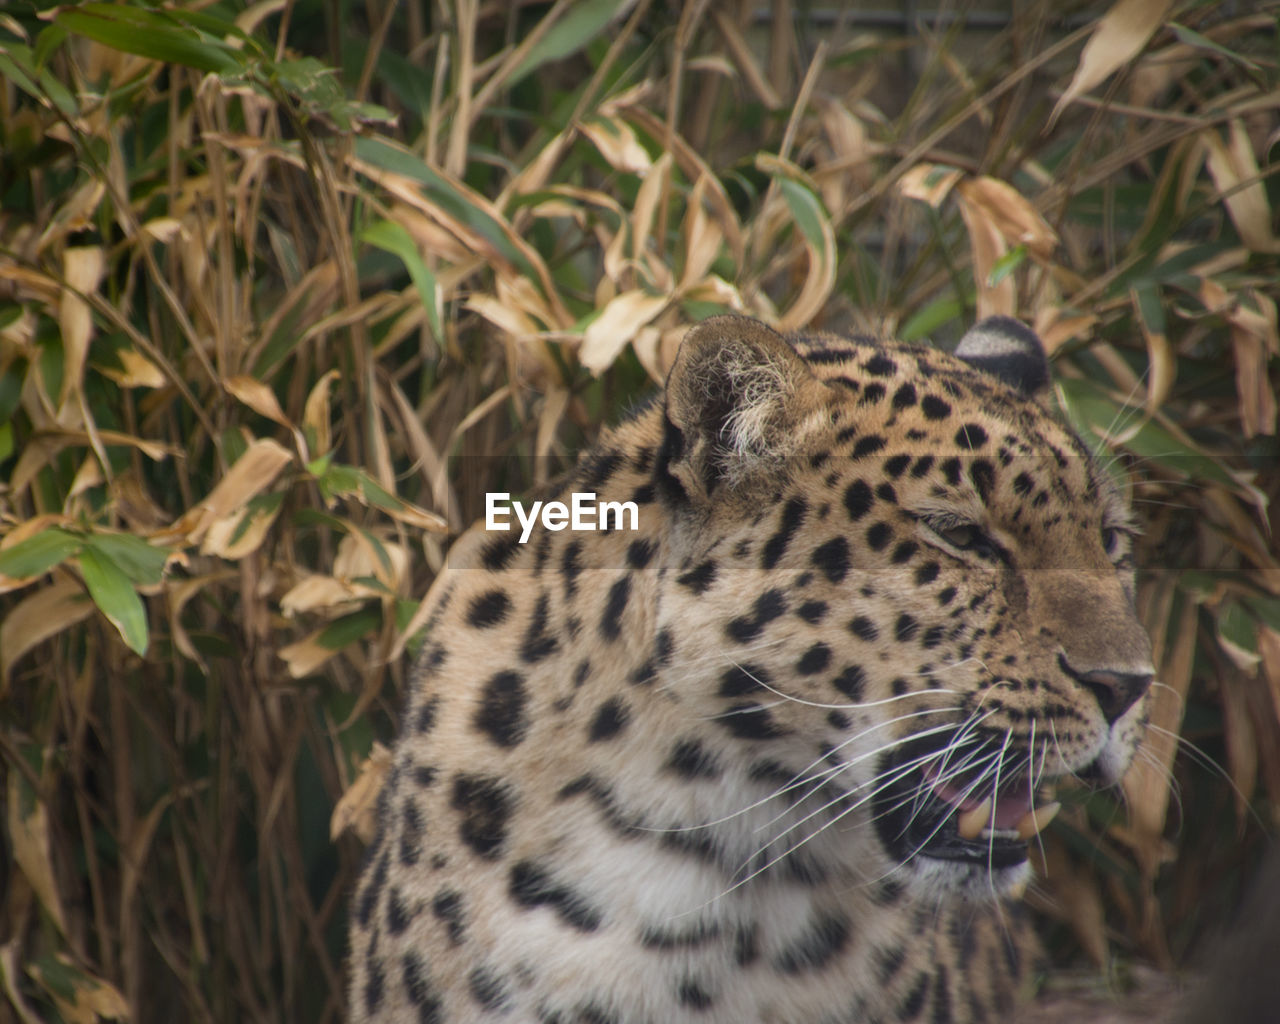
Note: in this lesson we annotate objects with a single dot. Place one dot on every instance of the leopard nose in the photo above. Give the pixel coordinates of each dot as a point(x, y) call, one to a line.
point(1115, 692)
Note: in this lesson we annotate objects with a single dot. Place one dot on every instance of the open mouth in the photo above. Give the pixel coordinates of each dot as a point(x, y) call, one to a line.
point(957, 815)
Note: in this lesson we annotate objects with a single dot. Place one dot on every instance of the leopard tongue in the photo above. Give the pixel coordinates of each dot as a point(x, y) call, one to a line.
point(1005, 813)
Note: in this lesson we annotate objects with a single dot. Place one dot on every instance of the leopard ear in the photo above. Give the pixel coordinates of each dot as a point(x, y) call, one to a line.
point(736, 398)
point(1009, 350)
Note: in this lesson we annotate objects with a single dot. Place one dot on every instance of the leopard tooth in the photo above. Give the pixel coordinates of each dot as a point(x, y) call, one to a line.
point(1035, 820)
point(970, 823)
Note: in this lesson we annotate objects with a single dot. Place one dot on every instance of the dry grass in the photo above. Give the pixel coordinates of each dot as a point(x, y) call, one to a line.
point(252, 324)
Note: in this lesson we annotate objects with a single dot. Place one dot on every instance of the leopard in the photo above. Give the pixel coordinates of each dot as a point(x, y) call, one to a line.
point(779, 751)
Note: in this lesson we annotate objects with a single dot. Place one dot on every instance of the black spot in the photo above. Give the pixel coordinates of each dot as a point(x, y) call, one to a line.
point(812, 612)
point(397, 912)
point(903, 552)
point(373, 985)
point(692, 938)
point(885, 492)
point(581, 673)
point(828, 933)
point(663, 646)
point(927, 573)
point(896, 465)
point(746, 945)
point(639, 553)
point(971, 436)
point(1023, 484)
point(610, 720)
point(751, 722)
point(889, 961)
point(886, 892)
point(532, 886)
point(538, 643)
point(643, 494)
point(425, 718)
point(879, 535)
point(501, 714)
point(983, 475)
point(768, 606)
point(447, 906)
point(372, 890)
point(814, 660)
point(411, 830)
point(951, 470)
point(432, 658)
point(571, 567)
point(838, 720)
point(864, 629)
point(872, 393)
point(832, 558)
point(692, 994)
point(485, 804)
point(922, 466)
point(487, 988)
point(793, 513)
point(420, 990)
point(615, 605)
point(857, 499)
point(941, 997)
point(947, 595)
point(699, 578)
point(691, 760)
point(905, 396)
point(424, 774)
point(868, 445)
point(880, 365)
point(739, 680)
point(498, 553)
point(932, 637)
point(935, 408)
point(597, 468)
point(913, 1002)
point(488, 609)
point(850, 682)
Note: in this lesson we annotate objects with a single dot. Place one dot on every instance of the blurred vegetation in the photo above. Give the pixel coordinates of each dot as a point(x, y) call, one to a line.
point(267, 271)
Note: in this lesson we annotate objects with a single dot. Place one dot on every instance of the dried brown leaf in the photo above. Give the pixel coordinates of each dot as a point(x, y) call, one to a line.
point(1117, 39)
point(1234, 170)
point(617, 143)
point(987, 245)
point(30, 846)
point(617, 324)
point(82, 269)
point(252, 473)
point(929, 183)
point(258, 397)
point(38, 616)
point(357, 807)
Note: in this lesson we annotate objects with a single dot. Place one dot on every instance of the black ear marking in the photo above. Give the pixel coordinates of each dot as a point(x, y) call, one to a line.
point(1009, 350)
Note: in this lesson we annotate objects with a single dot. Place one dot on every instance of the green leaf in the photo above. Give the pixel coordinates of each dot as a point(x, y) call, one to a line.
point(1006, 265)
point(393, 238)
point(350, 628)
point(455, 200)
point(806, 209)
point(929, 319)
point(113, 593)
point(1238, 636)
point(39, 554)
point(147, 34)
point(584, 21)
point(137, 559)
point(1197, 41)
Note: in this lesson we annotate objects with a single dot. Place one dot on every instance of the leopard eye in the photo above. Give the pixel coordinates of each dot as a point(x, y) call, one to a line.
point(967, 537)
point(1111, 537)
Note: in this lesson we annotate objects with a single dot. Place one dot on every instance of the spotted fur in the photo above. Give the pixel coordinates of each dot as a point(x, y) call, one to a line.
point(710, 771)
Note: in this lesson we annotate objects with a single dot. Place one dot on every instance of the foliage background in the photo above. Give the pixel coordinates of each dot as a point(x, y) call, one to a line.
point(271, 272)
